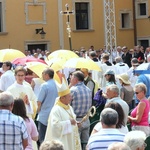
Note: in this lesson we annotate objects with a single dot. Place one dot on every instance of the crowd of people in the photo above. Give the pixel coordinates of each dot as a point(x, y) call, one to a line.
point(46, 114)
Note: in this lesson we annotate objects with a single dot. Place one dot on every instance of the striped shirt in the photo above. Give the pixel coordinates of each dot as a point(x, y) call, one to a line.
point(102, 139)
point(12, 131)
point(82, 98)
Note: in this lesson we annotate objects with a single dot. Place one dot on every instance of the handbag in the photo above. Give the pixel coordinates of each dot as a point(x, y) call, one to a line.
point(99, 99)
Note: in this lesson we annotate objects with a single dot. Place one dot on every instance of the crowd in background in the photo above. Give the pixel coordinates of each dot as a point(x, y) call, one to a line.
point(121, 96)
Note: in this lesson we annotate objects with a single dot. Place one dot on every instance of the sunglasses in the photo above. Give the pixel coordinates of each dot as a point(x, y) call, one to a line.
point(135, 65)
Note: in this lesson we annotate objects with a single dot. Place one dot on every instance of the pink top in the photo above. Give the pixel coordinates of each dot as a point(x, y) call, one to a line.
point(144, 119)
point(32, 132)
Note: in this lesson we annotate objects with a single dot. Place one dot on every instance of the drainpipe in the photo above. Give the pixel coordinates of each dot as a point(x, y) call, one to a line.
point(134, 23)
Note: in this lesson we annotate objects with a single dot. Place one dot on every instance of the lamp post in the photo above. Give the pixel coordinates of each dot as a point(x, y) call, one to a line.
point(68, 13)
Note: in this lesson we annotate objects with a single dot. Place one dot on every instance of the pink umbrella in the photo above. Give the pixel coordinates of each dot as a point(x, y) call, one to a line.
point(24, 60)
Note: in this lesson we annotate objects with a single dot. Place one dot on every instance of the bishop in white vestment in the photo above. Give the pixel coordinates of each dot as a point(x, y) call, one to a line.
point(62, 123)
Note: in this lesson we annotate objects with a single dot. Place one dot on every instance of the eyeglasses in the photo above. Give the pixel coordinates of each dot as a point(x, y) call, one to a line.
point(135, 65)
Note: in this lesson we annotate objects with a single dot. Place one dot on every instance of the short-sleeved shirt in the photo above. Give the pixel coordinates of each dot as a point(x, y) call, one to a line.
point(37, 82)
point(12, 131)
point(81, 99)
point(102, 139)
point(128, 95)
point(47, 95)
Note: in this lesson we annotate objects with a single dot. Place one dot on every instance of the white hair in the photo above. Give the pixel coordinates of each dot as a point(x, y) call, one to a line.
point(118, 146)
point(113, 88)
point(135, 139)
point(6, 99)
point(52, 145)
point(118, 59)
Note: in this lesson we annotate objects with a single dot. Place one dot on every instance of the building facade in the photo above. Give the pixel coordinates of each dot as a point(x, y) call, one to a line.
point(21, 22)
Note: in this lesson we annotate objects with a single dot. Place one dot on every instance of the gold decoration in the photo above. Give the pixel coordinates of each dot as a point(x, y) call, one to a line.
point(89, 114)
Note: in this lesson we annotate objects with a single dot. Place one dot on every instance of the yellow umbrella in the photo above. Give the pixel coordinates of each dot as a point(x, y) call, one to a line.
point(38, 68)
point(10, 54)
point(63, 54)
point(82, 63)
point(56, 63)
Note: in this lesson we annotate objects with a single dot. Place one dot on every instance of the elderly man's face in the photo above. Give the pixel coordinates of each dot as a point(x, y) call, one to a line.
point(119, 49)
point(67, 99)
point(73, 80)
point(110, 94)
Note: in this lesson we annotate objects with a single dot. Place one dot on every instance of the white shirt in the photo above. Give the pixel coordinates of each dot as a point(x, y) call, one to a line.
point(96, 74)
point(121, 68)
point(19, 91)
point(132, 77)
point(123, 129)
point(104, 68)
point(123, 104)
point(6, 80)
point(37, 82)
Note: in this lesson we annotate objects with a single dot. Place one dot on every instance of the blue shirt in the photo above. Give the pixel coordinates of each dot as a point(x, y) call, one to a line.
point(81, 99)
point(47, 95)
point(12, 131)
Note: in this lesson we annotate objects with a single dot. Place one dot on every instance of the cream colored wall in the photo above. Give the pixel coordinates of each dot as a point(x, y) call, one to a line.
point(17, 31)
point(87, 38)
point(13, 25)
point(143, 27)
point(125, 37)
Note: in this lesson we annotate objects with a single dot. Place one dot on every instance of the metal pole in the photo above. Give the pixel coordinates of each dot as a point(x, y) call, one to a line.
point(70, 44)
point(69, 35)
point(68, 13)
